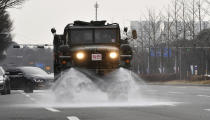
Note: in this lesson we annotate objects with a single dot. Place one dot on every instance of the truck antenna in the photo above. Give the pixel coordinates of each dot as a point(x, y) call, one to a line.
point(96, 7)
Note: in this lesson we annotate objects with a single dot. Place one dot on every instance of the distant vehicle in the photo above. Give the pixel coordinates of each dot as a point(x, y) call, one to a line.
point(4, 83)
point(94, 46)
point(29, 78)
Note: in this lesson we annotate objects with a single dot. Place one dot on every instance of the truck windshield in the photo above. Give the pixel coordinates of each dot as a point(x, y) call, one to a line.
point(105, 36)
point(93, 36)
point(81, 36)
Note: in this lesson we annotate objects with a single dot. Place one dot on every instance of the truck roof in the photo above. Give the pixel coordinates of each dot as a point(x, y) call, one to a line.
point(92, 24)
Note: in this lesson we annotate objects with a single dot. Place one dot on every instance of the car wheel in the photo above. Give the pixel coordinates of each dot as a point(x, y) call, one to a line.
point(4, 92)
point(8, 89)
point(29, 88)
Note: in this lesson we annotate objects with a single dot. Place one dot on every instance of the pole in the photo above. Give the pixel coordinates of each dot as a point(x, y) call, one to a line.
point(176, 24)
point(180, 64)
point(206, 61)
point(96, 7)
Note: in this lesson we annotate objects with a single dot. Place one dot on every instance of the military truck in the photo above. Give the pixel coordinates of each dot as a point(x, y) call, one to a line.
point(96, 46)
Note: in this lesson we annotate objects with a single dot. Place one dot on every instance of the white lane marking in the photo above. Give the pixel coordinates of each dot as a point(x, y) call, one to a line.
point(52, 110)
point(183, 87)
point(207, 109)
point(40, 91)
point(32, 99)
point(175, 92)
point(205, 89)
point(73, 118)
point(21, 92)
point(152, 90)
point(203, 96)
point(27, 95)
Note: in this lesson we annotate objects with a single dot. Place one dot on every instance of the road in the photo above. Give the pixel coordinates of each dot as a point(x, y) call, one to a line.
point(157, 103)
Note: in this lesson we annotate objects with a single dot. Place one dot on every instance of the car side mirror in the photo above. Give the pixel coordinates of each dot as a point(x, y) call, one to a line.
point(125, 29)
point(134, 34)
point(6, 73)
point(20, 74)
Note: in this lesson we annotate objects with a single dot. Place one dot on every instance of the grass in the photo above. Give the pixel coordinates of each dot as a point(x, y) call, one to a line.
point(185, 82)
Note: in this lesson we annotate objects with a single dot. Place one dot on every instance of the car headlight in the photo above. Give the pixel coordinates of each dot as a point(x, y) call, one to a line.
point(80, 55)
point(113, 55)
point(38, 80)
point(1, 81)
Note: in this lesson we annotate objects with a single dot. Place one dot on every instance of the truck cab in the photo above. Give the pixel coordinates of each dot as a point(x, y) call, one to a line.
point(94, 46)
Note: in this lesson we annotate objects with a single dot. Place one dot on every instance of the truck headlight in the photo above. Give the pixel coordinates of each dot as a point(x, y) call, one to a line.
point(113, 55)
point(1, 81)
point(80, 55)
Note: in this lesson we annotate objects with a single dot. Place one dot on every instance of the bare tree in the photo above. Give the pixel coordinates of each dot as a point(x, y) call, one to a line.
point(4, 4)
point(203, 11)
point(175, 17)
point(153, 33)
point(6, 23)
point(191, 17)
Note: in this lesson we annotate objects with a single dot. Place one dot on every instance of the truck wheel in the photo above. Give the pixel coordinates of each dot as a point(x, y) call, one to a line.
point(4, 92)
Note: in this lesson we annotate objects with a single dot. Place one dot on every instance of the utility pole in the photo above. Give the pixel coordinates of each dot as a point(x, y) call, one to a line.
point(96, 7)
point(176, 24)
point(199, 14)
point(149, 57)
point(184, 23)
point(180, 64)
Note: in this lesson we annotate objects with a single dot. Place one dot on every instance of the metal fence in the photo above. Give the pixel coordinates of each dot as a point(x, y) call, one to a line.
point(184, 61)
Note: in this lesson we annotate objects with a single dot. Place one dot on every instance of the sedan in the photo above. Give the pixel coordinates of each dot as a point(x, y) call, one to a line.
point(4, 82)
point(29, 78)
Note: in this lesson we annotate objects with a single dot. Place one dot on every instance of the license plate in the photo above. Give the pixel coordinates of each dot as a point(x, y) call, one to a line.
point(96, 57)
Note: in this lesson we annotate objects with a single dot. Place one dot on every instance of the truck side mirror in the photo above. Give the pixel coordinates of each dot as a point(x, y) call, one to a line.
point(125, 29)
point(53, 30)
point(134, 34)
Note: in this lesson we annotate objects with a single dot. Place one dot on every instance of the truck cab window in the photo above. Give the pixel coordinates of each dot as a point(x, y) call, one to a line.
point(81, 36)
point(105, 36)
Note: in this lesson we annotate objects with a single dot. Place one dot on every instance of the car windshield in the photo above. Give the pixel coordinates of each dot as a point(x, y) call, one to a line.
point(93, 36)
point(1, 72)
point(33, 71)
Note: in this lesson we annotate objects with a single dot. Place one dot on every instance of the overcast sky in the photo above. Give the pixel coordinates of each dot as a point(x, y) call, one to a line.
point(33, 21)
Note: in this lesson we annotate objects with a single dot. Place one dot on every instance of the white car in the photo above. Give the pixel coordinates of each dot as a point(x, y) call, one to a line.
point(4, 83)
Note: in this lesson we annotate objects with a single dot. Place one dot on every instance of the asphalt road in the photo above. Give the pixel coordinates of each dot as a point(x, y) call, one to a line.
point(157, 103)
